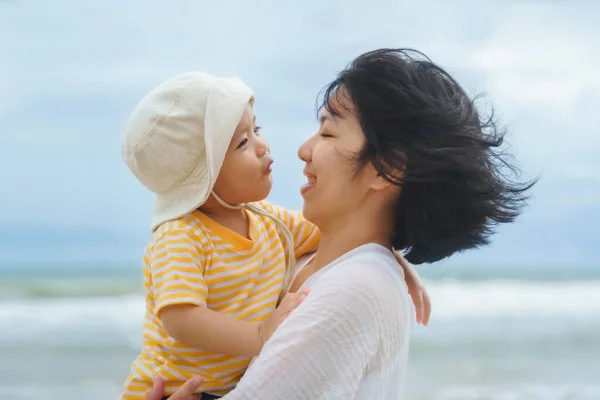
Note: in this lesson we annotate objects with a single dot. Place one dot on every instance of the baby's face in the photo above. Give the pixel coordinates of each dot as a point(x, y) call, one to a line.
point(246, 172)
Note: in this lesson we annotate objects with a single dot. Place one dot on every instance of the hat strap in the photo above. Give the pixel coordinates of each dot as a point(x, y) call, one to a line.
point(225, 204)
point(289, 241)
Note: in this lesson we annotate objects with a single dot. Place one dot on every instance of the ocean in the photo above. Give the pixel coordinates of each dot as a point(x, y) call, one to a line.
point(517, 334)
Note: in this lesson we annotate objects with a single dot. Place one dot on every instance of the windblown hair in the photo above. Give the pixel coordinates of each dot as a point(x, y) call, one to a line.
point(424, 133)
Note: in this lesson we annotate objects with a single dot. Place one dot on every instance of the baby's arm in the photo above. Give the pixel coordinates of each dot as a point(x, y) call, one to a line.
point(416, 289)
point(201, 328)
point(176, 269)
point(212, 331)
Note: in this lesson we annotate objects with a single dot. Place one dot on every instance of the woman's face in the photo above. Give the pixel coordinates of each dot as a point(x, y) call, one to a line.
point(334, 189)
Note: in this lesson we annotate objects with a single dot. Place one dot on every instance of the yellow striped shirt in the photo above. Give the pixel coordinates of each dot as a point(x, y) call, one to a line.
point(195, 260)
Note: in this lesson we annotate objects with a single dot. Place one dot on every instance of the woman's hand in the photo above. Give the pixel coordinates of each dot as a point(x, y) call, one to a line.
point(185, 392)
point(416, 289)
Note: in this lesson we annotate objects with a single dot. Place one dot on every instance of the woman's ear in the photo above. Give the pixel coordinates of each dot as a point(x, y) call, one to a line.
point(380, 183)
point(393, 177)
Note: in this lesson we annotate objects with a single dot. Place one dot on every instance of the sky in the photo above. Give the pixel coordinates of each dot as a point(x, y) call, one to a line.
point(72, 71)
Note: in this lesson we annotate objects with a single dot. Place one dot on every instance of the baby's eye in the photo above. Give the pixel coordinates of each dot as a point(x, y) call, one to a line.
point(257, 130)
point(242, 143)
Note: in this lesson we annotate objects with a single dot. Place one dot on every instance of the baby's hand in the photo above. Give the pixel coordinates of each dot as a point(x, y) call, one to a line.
point(416, 290)
point(288, 304)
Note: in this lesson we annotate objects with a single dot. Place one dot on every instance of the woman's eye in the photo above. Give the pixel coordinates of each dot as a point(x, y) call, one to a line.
point(325, 135)
point(257, 130)
point(242, 143)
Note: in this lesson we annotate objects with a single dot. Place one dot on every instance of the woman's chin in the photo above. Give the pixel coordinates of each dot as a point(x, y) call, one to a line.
point(309, 213)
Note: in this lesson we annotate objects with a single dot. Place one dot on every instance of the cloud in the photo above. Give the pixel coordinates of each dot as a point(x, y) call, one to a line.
point(539, 65)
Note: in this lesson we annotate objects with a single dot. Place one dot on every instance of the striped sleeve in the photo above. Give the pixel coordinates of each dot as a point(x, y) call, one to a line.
point(177, 270)
point(306, 235)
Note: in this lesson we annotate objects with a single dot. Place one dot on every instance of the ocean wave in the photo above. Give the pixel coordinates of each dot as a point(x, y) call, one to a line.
point(496, 298)
point(59, 287)
point(72, 321)
point(111, 319)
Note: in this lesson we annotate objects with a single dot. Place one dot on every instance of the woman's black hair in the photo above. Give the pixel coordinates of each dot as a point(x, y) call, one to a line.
point(456, 181)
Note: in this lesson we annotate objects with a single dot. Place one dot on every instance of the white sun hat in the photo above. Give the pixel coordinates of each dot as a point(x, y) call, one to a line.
point(177, 137)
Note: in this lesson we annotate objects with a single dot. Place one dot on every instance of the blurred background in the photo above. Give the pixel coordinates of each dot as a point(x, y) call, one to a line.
point(519, 319)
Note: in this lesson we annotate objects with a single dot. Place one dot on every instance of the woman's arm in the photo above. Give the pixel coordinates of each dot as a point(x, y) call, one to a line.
point(323, 348)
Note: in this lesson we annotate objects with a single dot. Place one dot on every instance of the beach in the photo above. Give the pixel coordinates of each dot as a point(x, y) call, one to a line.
point(494, 334)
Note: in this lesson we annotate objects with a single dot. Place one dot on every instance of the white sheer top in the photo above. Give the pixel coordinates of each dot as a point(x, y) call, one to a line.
point(347, 340)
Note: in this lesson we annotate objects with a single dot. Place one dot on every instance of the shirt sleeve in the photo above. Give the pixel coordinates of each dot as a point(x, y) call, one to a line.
point(322, 350)
point(176, 270)
point(305, 234)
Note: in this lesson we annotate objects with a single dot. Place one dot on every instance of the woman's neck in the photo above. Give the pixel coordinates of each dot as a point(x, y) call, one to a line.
point(339, 238)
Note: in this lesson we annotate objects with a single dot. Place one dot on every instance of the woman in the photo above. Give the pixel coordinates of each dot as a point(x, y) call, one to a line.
point(401, 160)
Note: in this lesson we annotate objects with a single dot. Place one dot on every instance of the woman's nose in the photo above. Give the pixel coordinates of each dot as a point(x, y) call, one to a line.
point(305, 151)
